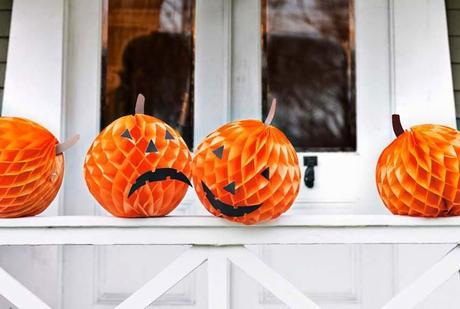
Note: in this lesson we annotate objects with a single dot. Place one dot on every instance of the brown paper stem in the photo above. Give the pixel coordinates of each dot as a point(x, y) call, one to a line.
point(140, 102)
point(397, 127)
point(60, 148)
point(184, 110)
point(271, 113)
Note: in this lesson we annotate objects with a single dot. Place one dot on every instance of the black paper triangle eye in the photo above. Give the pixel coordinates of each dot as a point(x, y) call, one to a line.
point(151, 147)
point(266, 173)
point(219, 152)
point(126, 134)
point(230, 188)
point(168, 135)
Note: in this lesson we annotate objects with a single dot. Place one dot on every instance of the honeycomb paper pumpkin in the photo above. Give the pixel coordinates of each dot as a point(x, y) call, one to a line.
point(246, 171)
point(31, 167)
point(418, 173)
point(138, 166)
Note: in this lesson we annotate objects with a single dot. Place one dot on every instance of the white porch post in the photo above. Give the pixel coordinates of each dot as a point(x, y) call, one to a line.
point(33, 89)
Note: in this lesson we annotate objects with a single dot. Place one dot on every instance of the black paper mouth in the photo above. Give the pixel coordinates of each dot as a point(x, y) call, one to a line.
point(158, 175)
point(227, 209)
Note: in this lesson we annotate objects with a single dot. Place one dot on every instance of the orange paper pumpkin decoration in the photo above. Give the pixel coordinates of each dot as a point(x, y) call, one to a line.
point(31, 167)
point(246, 171)
point(418, 173)
point(138, 166)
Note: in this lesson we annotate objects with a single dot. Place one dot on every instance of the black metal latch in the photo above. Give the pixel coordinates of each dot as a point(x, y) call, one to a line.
point(310, 163)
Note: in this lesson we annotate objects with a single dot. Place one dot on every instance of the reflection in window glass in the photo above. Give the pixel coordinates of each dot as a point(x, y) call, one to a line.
point(5, 20)
point(308, 66)
point(148, 49)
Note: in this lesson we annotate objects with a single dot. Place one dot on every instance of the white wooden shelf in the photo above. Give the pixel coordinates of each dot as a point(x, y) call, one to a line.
point(207, 230)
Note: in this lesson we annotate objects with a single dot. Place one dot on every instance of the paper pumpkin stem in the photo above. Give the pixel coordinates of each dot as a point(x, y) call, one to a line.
point(271, 113)
point(140, 102)
point(184, 110)
point(60, 148)
point(397, 127)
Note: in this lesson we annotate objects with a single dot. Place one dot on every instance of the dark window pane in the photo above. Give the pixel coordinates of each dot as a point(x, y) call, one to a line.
point(148, 49)
point(308, 66)
point(5, 21)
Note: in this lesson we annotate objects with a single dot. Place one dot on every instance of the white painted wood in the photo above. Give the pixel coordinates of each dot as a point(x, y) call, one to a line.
point(422, 71)
point(208, 221)
point(339, 284)
point(33, 89)
point(291, 230)
point(413, 261)
point(212, 66)
point(218, 280)
point(27, 92)
point(228, 236)
point(428, 282)
point(166, 279)
point(346, 229)
point(271, 280)
point(33, 82)
point(82, 72)
point(17, 294)
point(246, 60)
point(82, 65)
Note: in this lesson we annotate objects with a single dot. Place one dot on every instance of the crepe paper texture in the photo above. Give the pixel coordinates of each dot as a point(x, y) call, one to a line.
point(246, 171)
point(418, 173)
point(138, 166)
point(31, 167)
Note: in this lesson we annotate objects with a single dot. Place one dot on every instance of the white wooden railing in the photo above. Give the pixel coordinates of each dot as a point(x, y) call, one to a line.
point(218, 242)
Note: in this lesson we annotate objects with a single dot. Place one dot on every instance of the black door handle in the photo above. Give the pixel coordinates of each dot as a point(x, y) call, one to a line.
point(309, 177)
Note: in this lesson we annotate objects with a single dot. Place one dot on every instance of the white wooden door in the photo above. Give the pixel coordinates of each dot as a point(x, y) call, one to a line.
point(402, 65)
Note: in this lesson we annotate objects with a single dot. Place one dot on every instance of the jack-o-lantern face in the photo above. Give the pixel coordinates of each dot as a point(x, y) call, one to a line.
point(138, 166)
point(246, 171)
point(31, 167)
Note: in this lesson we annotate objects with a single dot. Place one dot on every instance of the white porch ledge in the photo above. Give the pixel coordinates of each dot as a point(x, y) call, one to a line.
point(207, 230)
